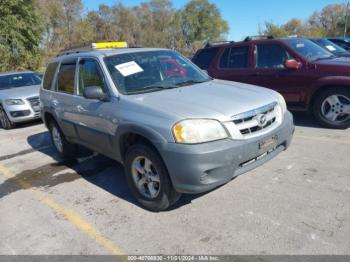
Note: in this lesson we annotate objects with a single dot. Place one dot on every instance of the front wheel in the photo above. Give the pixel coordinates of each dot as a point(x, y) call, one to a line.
point(148, 178)
point(332, 108)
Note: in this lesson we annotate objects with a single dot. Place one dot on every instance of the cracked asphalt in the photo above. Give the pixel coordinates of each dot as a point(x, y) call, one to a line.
point(298, 203)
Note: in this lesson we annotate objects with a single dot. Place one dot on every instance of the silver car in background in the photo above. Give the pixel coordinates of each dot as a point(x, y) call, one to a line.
point(19, 98)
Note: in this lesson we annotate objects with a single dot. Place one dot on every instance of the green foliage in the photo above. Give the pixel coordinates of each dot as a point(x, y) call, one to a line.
point(201, 21)
point(327, 22)
point(20, 35)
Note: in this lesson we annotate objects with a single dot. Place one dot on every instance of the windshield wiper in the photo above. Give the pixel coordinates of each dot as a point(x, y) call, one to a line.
point(189, 82)
point(323, 58)
point(152, 88)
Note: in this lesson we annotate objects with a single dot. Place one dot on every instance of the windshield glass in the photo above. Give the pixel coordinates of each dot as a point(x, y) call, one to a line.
point(142, 72)
point(19, 80)
point(330, 46)
point(308, 49)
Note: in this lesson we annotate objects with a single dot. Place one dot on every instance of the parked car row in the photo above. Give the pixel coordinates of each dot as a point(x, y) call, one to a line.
point(174, 128)
point(309, 77)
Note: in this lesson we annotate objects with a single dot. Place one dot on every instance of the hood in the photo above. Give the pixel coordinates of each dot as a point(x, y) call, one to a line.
point(342, 54)
point(20, 92)
point(339, 61)
point(215, 99)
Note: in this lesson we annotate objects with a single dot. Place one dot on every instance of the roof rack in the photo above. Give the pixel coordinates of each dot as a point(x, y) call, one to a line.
point(257, 37)
point(211, 44)
point(93, 46)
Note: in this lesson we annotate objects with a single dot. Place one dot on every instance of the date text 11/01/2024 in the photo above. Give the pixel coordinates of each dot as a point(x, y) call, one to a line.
point(173, 258)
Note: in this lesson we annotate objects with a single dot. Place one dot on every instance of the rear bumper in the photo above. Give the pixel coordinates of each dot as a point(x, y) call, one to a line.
point(203, 167)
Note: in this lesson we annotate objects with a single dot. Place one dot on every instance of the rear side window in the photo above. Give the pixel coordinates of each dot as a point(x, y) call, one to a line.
point(235, 57)
point(65, 79)
point(49, 74)
point(205, 56)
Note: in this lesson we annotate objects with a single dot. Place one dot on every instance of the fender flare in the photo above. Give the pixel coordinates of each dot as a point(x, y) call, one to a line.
point(157, 140)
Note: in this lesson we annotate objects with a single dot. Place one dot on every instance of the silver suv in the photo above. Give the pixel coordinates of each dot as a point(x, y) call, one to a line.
point(19, 98)
point(175, 129)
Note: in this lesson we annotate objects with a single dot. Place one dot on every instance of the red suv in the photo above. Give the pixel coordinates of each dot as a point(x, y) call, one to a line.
point(308, 76)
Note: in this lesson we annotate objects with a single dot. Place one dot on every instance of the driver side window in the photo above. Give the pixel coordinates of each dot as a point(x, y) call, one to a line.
point(89, 75)
point(271, 56)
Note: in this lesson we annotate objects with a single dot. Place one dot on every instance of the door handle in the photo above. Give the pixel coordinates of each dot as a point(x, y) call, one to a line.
point(55, 102)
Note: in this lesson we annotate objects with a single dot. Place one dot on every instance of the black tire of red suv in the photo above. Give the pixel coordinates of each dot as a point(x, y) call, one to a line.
point(166, 196)
point(67, 149)
point(319, 101)
point(5, 121)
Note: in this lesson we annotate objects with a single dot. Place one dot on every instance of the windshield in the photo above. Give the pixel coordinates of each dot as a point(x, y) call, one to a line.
point(308, 49)
point(19, 80)
point(142, 72)
point(330, 46)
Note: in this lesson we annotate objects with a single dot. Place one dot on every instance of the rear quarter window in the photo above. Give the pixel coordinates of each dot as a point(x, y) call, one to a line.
point(204, 57)
point(49, 75)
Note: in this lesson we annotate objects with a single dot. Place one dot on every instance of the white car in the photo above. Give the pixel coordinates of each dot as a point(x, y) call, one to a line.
point(19, 98)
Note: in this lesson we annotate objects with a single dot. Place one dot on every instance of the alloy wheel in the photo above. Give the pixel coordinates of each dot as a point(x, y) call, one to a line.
point(336, 108)
point(57, 139)
point(145, 177)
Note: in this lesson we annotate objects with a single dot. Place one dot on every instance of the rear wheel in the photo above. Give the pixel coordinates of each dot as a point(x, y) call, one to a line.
point(332, 108)
point(148, 178)
point(64, 148)
point(4, 120)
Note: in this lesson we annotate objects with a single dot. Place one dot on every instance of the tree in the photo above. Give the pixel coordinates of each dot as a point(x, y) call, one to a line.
point(20, 35)
point(328, 19)
point(327, 22)
point(202, 21)
point(274, 30)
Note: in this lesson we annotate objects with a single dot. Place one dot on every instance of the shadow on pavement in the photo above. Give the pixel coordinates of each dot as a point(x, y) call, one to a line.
point(96, 169)
point(304, 119)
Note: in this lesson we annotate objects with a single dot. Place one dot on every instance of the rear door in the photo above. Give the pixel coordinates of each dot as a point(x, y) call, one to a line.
point(63, 99)
point(234, 64)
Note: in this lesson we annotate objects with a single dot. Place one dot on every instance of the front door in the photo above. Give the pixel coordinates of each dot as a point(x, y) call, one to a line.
point(94, 119)
point(270, 72)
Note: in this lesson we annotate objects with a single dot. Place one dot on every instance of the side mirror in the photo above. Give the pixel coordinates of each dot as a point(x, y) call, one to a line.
point(292, 64)
point(94, 92)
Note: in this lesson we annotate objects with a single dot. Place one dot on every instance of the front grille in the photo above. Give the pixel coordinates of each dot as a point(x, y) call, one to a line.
point(251, 122)
point(35, 103)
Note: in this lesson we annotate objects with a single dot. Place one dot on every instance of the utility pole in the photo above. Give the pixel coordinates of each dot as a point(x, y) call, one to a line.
point(346, 19)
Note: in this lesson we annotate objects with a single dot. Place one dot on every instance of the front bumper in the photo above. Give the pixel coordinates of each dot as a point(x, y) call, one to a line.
point(203, 167)
point(22, 113)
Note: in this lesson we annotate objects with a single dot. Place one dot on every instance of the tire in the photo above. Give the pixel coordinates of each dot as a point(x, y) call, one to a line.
point(332, 108)
point(65, 149)
point(5, 121)
point(164, 194)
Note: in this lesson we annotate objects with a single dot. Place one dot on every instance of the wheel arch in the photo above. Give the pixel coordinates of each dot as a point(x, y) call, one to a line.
point(323, 88)
point(131, 134)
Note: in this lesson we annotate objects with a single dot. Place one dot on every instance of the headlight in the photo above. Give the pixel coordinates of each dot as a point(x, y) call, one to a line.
point(11, 102)
point(282, 103)
point(194, 131)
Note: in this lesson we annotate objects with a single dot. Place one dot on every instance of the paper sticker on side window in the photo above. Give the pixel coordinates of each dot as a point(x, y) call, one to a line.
point(129, 68)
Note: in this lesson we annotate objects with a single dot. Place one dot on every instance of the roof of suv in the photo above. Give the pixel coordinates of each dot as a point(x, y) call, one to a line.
point(248, 40)
point(103, 52)
point(15, 72)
